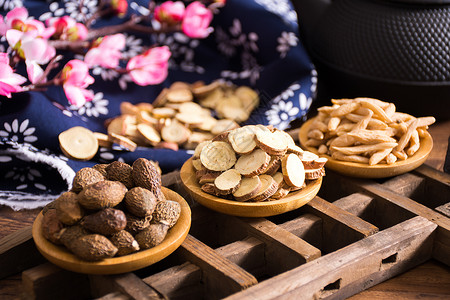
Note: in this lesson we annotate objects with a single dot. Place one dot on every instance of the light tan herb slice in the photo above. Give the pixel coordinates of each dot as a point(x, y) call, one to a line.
point(209, 188)
point(268, 187)
point(123, 141)
point(248, 96)
point(207, 123)
point(218, 156)
point(248, 189)
point(197, 137)
point(197, 164)
point(278, 177)
point(149, 133)
point(228, 182)
point(211, 99)
point(209, 177)
point(202, 90)
point(224, 125)
point(314, 173)
point(199, 148)
point(308, 159)
point(127, 108)
point(161, 99)
point(179, 95)
point(252, 164)
point(163, 112)
point(242, 139)
point(273, 166)
point(189, 118)
point(117, 125)
point(175, 132)
point(271, 143)
point(190, 107)
point(293, 170)
point(103, 140)
point(78, 143)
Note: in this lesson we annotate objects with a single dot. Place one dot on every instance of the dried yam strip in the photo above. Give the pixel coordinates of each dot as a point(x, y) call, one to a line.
point(360, 149)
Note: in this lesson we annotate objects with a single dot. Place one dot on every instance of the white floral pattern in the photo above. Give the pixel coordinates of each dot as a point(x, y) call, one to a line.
point(279, 7)
point(281, 114)
point(19, 132)
point(10, 4)
point(304, 102)
point(98, 106)
point(183, 51)
point(288, 93)
point(24, 177)
point(72, 8)
point(286, 41)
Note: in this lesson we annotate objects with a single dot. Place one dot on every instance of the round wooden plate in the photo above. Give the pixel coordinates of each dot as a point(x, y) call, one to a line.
point(364, 170)
point(61, 257)
point(247, 209)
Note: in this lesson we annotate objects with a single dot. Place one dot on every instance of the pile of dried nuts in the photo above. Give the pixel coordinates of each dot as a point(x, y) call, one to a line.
point(254, 163)
point(112, 210)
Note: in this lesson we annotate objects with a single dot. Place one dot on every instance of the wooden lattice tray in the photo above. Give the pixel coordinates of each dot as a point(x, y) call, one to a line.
point(353, 235)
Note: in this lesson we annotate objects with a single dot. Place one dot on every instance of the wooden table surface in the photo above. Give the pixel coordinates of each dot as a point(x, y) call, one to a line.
point(430, 280)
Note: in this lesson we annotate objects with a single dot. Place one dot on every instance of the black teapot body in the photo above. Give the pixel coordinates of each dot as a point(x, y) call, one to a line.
point(397, 50)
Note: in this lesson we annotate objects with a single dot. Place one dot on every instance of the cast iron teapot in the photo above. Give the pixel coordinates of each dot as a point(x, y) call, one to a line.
point(395, 50)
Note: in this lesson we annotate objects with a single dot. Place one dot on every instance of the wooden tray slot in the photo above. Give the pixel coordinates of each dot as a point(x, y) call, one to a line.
point(221, 276)
point(47, 281)
point(185, 281)
point(353, 268)
point(283, 250)
point(307, 227)
point(340, 228)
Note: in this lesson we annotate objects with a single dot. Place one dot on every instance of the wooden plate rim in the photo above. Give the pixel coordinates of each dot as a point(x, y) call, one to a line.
point(294, 200)
point(364, 170)
point(60, 256)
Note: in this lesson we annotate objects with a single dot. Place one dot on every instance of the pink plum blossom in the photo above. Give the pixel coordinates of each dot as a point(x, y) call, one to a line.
point(107, 54)
point(66, 28)
point(18, 19)
point(196, 20)
point(170, 12)
point(151, 67)
point(9, 81)
point(75, 78)
point(119, 7)
point(33, 49)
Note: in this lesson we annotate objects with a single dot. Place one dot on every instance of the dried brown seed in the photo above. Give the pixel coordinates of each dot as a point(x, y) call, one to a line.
point(93, 247)
point(101, 168)
point(124, 242)
point(51, 226)
point(120, 171)
point(152, 236)
point(107, 221)
point(68, 209)
point(146, 175)
point(102, 194)
point(167, 212)
point(140, 201)
point(69, 234)
point(136, 224)
point(85, 177)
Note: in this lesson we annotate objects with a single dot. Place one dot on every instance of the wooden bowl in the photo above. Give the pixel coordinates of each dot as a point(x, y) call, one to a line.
point(364, 170)
point(247, 209)
point(61, 257)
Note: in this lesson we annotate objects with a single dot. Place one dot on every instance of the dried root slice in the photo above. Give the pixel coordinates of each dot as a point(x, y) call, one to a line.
point(268, 187)
point(178, 95)
point(175, 133)
point(273, 166)
point(149, 133)
point(199, 149)
point(314, 173)
point(242, 139)
point(293, 170)
point(278, 177)
point(123, 141)
point(202, 90)
point(248, 189)
point(271, 143)
point(209, 177)
point(78, 143)
point(224, 125)
point(315, 164)
point(210, 188)
point(218, 156)
point(308, 159)
point(163, 112)
point(228, 182)
point(128, 108)
point(294, 149)
point(282, 192)
point(202, 172)
point(252, 164)
point(197, 164)
point(103, 140)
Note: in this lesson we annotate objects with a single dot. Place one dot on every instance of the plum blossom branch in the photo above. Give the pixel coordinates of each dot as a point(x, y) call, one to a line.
point(37, 44)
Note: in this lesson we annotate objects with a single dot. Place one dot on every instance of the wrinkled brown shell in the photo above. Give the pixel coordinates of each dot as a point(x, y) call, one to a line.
point(137, 224)
point(146, 175)
point(102, 194)
point(140, 202)
point(125, 242)
point(167, 212)
point(152, 236)
point(68, 209)
point(85, 177)
point(120, 171)
point(107, 221)
point(51, 226)
point(101, 168)
point(69, 234)
point(93, 247)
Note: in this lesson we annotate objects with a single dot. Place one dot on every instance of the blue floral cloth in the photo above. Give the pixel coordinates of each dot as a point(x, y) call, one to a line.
point(254, 43)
